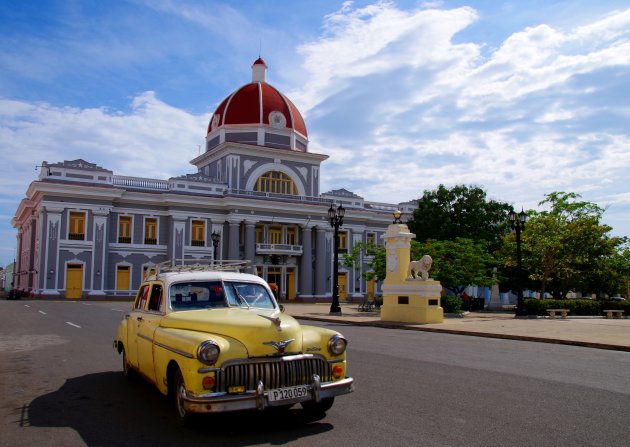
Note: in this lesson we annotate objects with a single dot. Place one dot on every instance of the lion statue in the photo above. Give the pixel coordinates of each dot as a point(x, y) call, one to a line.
point(420, 268)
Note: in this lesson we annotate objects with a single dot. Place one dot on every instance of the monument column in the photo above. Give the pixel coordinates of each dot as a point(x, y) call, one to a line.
point(409, 295)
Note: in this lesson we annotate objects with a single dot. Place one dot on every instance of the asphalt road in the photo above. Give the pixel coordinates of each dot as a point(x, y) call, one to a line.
point(60, 384)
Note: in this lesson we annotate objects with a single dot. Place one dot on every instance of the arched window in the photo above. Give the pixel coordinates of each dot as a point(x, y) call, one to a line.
point(275, 182)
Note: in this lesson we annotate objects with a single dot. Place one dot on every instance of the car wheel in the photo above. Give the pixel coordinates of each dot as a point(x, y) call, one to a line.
point(310, 406)
point(184, 417)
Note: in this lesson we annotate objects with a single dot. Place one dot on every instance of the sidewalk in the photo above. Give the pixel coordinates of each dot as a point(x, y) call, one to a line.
point(591, 332)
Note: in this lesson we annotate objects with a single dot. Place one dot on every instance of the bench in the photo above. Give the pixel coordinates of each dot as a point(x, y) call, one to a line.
point(562, 312)
point(612, 313)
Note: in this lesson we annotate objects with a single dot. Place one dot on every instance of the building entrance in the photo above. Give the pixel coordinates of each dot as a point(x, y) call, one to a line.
point(74, 281)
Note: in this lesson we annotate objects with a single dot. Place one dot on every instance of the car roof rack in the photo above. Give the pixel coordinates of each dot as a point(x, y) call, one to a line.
point(195, 265)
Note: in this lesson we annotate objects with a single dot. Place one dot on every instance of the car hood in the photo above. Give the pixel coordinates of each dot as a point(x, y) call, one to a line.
point(263, 332)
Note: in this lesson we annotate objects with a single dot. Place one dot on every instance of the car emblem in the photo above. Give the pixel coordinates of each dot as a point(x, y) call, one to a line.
point(279, 345)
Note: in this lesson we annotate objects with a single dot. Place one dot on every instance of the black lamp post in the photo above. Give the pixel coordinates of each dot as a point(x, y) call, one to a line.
point(517, 223)
point(335, 216)
point(216, 237)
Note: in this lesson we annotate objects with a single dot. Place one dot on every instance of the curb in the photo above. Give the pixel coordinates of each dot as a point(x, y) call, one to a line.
point(403, 326)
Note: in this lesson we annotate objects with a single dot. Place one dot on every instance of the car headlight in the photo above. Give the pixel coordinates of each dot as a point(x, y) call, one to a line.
point(337, 345)
point(208, 352)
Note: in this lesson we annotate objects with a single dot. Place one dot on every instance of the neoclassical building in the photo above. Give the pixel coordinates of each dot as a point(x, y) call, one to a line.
point(83, 231)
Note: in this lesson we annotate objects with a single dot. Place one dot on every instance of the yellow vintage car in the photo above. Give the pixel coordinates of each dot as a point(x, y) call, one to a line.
point(218, 341)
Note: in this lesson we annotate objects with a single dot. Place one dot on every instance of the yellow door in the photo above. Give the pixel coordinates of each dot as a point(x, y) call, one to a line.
point(74, 280)
point(342, 279)
point(291, 284)
point(122, 277)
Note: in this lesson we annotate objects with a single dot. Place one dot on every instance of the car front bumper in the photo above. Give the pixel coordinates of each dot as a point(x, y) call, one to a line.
point(258, 398)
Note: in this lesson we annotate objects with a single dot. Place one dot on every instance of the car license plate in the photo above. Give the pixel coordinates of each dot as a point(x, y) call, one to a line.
point(289, 393)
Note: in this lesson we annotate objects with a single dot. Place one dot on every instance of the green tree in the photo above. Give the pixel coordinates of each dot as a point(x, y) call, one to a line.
point(367, 254)
point(461, 211)
point(568, 248)
point(457, 264)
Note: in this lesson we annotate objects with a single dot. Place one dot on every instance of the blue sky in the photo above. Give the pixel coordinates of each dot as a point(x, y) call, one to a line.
point(522, 98)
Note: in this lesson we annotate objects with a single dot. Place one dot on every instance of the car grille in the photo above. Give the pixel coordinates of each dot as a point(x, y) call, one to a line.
point(273, 373)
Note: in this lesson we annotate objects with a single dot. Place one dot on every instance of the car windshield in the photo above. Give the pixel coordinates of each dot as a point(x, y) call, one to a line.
point(244, 294)
point(216, 294)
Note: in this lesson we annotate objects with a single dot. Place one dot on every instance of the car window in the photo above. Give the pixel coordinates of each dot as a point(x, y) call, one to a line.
point(197, 295)
point(243, 294)
point(155, 301)
point(141, 298)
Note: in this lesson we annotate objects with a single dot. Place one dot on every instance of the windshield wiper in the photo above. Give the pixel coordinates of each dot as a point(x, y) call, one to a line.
point(240, 297)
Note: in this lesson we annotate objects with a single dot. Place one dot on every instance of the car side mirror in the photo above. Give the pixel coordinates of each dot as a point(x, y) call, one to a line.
point(281, 308)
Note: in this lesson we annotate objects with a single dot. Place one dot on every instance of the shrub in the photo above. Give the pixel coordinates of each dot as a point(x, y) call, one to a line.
point(452, 304)
point(575, 306)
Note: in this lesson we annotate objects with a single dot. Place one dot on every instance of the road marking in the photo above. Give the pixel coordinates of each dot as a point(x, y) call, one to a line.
point(72, 324)
point(42, 312)
point(117, 310)
point(26, 305)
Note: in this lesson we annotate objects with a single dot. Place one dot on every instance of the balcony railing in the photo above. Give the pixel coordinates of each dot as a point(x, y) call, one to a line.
point(124, 239)
point(150, 241)
point(198, 243)
point(278, 249)
point(144, 183)
point(76, 236)
point(271, 195)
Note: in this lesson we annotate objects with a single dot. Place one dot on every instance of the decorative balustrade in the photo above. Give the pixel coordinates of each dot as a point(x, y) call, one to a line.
point(144, 183)
point(271, 195)
point(278, 249)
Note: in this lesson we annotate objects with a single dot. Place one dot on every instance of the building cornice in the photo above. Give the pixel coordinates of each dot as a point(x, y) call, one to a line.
point(232, 148)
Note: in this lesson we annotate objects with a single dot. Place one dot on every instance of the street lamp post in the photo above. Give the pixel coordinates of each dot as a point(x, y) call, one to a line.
point(517, 223)
point(335, 216)
point(216, 237)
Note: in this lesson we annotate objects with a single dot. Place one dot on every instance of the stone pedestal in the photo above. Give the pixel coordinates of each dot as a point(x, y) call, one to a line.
point(414, 301)
point(405, 299)
point(495, 299)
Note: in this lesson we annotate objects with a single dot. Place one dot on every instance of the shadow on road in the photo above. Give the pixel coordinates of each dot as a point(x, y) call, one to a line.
point(106, 409)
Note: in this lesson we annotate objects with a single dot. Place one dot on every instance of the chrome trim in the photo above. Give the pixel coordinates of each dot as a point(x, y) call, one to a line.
point(208, 370)
point(145, 337)
point(274, 372)
point(168, 348)
point(202, 346)
point(258, 398)
point(332, 340)
point(286, 358)
point(317, 388)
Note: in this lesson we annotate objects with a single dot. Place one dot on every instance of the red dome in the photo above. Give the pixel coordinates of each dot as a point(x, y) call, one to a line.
point(256, 104)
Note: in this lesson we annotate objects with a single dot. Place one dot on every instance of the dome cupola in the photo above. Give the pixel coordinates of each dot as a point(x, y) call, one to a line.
point(257, 113)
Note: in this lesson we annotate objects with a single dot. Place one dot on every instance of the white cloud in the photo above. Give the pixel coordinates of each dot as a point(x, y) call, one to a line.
point(376, 39)
point(525, 119)
point(152, 140)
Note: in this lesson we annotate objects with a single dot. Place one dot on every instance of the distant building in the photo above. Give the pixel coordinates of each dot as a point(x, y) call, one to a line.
point(85, 231)
point(6, 277)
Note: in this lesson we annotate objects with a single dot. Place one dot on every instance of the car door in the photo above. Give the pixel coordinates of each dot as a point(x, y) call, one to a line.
point(146, 329)
point(134, 322)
